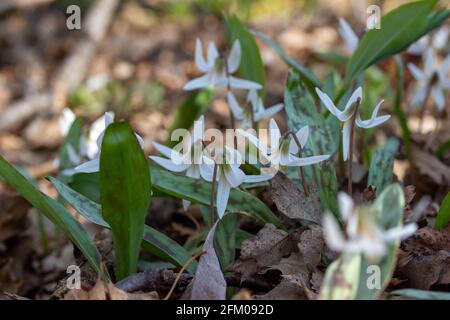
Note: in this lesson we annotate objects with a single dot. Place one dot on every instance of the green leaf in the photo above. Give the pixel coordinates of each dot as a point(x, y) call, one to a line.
point(125, 189)
point(154, 241)
point(301, 111)
point(73, 139)
point(443, 216)
point(348, 277)
point(251, 66)
point(399, 28)
point(421, 294)
point(189, 111)
point(225, 240)
point(199, 191)
point(309, 78)
point(382, 165)
point(53, 210)
point(401, 117)
point(86, 184)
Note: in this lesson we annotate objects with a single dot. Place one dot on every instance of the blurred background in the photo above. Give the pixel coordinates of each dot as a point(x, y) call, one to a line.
point(133, 58)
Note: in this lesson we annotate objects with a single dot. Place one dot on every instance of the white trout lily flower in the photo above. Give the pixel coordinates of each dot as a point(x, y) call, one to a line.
point(228, 176)
point(190, 160)
point(363, 235)
point(431, 81)
point(254, 110)
point(438, 42)
point(94, 164)
point(282, 148)
point(348, 35)
point(66, 121)
point(348, 115)
point(218, 71)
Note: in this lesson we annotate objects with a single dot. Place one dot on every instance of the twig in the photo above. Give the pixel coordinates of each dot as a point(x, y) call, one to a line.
point(191, 259)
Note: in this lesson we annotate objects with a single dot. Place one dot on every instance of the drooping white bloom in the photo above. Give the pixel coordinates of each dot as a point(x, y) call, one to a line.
point(66, 121)
point(190, 160)
point(347, 116)
point(363, 235)
point(254, 105)
point(228, 175)
point(438, 42)
point(94, 164)
point(282, 149)
point(348, 35)
point(431, 78)
point(218, 72)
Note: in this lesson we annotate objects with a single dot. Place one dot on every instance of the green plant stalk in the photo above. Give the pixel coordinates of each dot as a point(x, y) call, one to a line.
point(352, 144)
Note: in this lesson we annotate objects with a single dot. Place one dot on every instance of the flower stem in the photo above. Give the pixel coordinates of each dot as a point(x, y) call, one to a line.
point(352, 143)
point(213, 189)
point(301, 169)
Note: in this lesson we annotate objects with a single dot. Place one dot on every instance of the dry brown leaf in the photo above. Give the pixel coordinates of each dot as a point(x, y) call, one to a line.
point(432, 167)
point(107, 291)
point(13, 215)
point(293, 203)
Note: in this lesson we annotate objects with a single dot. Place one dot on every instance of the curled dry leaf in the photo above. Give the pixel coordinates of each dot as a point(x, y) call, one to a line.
point(209, 282)
point(107, 291)
point(293, 203)
point(432, 167)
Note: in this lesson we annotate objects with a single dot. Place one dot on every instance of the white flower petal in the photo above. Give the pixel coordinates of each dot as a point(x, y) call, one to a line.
point(213, 54)
point(333, 234)
point(223, 193)
point(440, 38)
point(302, 136)
point(193, 171)
point(307, 161)
point(234, 175)
point(429, 62)
point(348, 35)
point(258, 178)
point(269, 112)
point(261, 146)
point(74, 158)
point(235, 57)
point(328, 103)
point(400, 233)
point(199, 58)
point(109, 118)
point(65, 121)
point(164, 150)
point(346, 206)
point(444, 69)
point(346, 140)
point(243, 84)
point(419, 97)
point(198, 83)
point(356, 95)
point(235, 108)
point(374, 120)
point(169, 165)
point(438, 97)
point(416, 72)
point(207, 170)
point(88, 167)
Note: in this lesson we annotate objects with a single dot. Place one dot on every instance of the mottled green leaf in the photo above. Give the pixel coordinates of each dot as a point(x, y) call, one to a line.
point(443, 216)
point(73, 139)
point(382, 165)
point(125, 189)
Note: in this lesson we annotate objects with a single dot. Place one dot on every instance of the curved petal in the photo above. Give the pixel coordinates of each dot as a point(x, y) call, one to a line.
point(274, 133)
point(253, 97)
point(438, 97)
point(207, 170)
point(301, 162)
point(169, 165)
point(258, 178)
point(65, 121)
point(261, 146)
point(302, 136)
point(328, 103)
point(356, 95)
point(346, 206)
point(213, 54)
point(400, 233)
point(193, 172)
point(243, 84)
point(164, 150)
point(348, 35)
point(234, 175)
point(440, 38)
point(109, 118)
point(444, 69)
point(419, 97)
point(223, 193)
point(197, 83)
point(374, 120)
point(346, 140)
point(88, 167)
point(269, 112)
point(416, 72)
point(235, 57)
point(333, 234)
point(199, 58)
point(235, 108)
